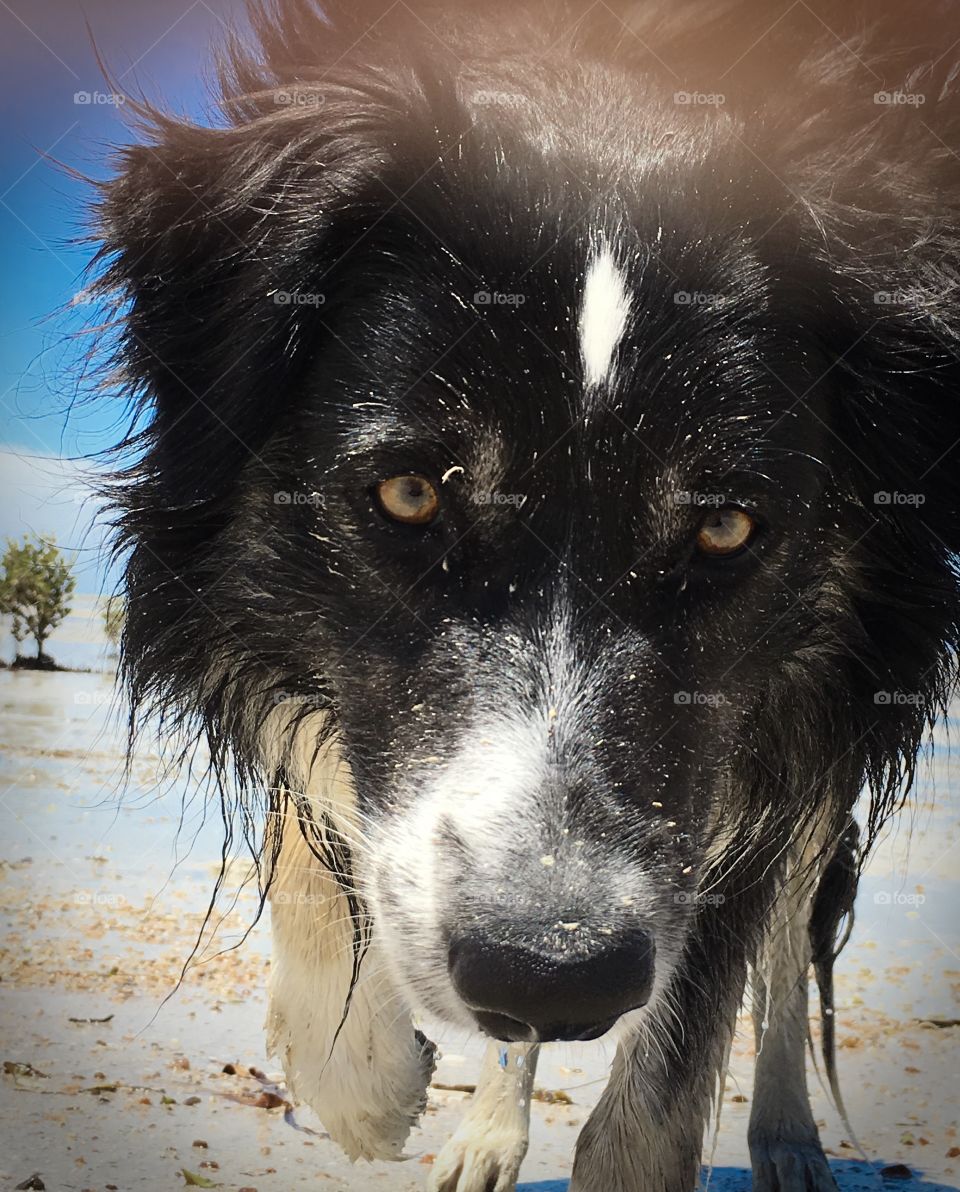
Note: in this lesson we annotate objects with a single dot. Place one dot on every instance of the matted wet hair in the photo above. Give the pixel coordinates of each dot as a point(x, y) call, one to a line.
point(321, 104)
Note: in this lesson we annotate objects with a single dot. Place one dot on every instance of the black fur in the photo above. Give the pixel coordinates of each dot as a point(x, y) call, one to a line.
point(383, 184)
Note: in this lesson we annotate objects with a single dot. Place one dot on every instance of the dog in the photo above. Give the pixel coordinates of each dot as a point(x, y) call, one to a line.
point(542, 496)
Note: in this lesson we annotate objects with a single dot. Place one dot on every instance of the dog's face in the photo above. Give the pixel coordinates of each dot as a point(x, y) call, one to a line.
point(551, 495)
point(563, 534)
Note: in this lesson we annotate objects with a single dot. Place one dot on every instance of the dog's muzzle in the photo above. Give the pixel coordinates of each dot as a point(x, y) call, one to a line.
point(521, 992)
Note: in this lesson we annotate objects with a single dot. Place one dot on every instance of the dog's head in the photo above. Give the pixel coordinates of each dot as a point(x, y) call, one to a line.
point(584, 454)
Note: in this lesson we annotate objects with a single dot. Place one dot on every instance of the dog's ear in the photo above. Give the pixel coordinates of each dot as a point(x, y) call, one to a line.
point(217, 245)
point(888, 237)
point(868, 147)
point(873, 169)
point(894, 382)
point(890, 246)
point(219, 258)
point(896, 347)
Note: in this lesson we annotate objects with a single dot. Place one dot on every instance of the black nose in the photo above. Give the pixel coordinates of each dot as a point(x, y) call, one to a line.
point(519, 992)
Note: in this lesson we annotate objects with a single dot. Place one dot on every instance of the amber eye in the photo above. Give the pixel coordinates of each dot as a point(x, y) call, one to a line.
point(725, 531)
point(409, 499)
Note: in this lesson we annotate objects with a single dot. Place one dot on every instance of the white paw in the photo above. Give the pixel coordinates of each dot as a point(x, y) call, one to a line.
point(479, 1160)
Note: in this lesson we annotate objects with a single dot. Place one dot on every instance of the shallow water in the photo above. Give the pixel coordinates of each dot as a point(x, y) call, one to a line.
point(101, 901)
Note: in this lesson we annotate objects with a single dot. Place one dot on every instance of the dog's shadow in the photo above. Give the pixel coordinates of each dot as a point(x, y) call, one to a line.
point(851, 1177)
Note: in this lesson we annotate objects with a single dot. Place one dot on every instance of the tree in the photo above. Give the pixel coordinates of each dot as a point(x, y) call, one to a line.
point(114, 611)
point(35, 589)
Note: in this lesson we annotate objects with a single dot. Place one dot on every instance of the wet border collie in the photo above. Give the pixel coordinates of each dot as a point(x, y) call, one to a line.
point(544, 500)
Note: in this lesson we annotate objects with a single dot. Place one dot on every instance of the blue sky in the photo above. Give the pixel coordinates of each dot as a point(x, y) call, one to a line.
point(47, 68)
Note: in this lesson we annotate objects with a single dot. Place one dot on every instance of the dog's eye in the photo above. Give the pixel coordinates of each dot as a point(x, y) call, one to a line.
point(409, 499)
point(725, 531)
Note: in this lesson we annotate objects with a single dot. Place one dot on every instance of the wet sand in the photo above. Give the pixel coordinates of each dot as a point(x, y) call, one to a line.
point(114, 1078)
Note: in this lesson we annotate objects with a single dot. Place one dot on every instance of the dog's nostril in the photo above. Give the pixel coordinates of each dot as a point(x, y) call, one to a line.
point(523, 992)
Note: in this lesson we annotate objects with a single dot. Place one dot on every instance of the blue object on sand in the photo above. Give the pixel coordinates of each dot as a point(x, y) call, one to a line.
point(851, 1176)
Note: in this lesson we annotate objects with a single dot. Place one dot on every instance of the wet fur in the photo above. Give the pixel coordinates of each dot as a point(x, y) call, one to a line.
point(278, 632)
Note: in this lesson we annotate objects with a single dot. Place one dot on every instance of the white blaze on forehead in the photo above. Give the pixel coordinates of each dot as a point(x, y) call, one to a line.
point(603, 315)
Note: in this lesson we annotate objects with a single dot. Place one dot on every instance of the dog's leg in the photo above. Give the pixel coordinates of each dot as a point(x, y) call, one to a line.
point(784, 1147)
point(366, 1075)
point(369, 1086)
point(646, 1133)
point(485, 1153)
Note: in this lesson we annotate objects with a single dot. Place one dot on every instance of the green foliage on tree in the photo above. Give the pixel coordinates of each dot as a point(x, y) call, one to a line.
point(114, 612)
point(35, 588)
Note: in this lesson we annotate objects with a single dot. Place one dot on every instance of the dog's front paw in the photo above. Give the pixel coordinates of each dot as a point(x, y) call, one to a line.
point(478, 1160)
point(784, 1165)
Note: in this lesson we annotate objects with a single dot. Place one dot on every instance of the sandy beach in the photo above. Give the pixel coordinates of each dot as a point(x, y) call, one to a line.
point(114, 1076)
